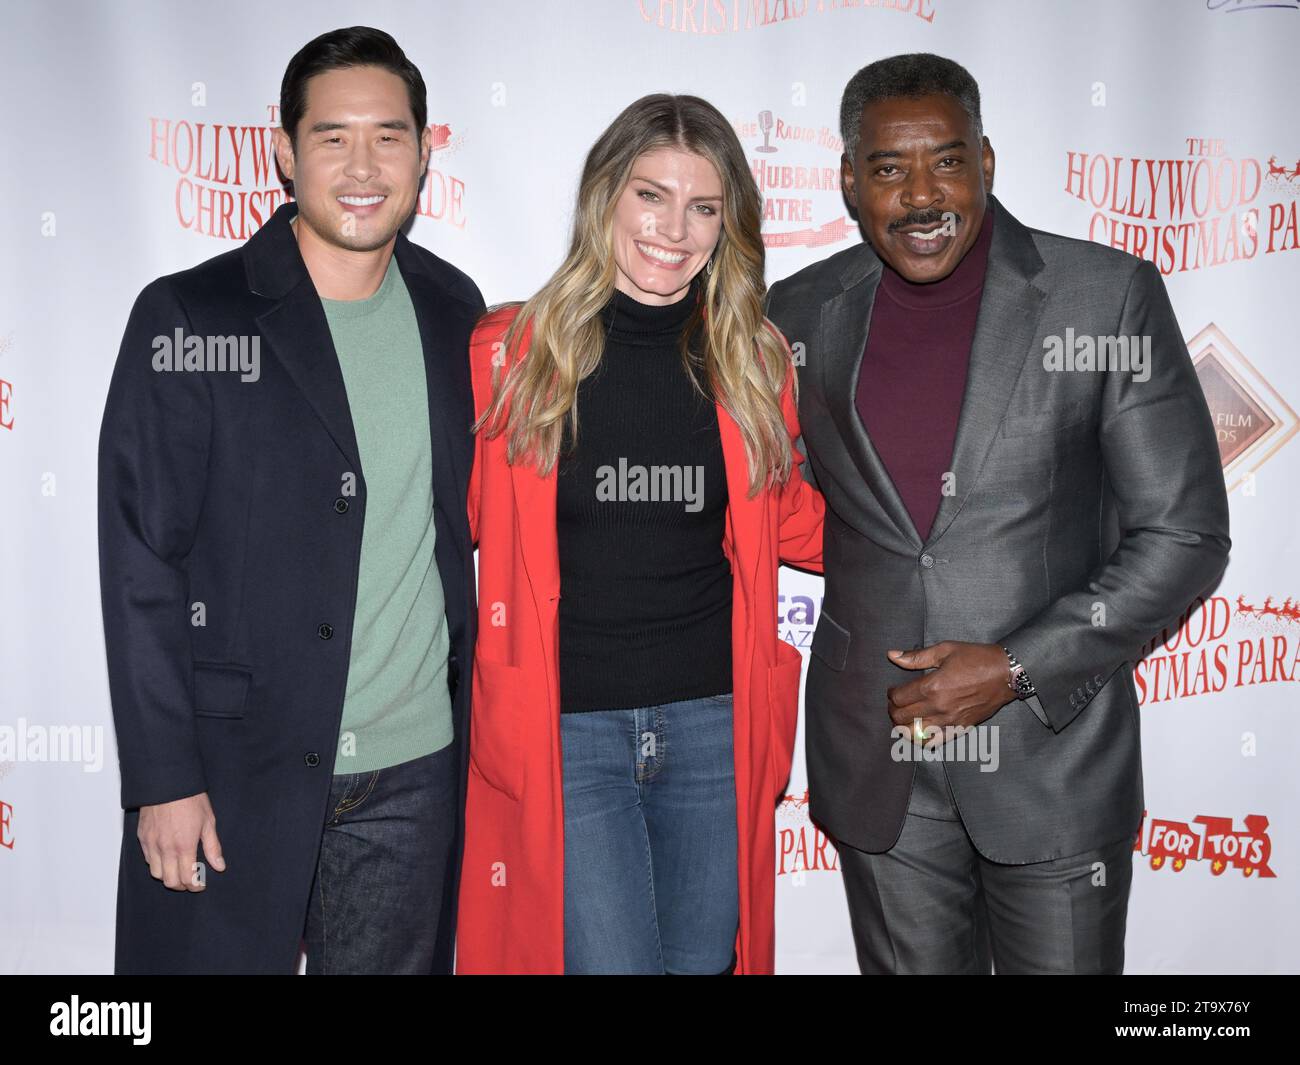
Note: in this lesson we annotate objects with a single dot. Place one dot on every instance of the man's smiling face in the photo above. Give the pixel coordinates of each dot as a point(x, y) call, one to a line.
point(920, 183)
point(357, 159)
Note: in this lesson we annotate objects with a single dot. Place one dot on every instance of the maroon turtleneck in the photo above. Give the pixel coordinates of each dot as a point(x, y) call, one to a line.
point(914, 374)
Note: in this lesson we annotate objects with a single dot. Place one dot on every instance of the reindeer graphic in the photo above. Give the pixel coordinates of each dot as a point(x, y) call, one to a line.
point(795, 801)
point(1279, 170)
point(1288, 611)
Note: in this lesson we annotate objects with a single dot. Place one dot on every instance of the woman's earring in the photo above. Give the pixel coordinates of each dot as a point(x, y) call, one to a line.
point(708, 267)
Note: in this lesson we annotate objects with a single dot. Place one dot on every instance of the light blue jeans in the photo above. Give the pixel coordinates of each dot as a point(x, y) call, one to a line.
point(650, 869)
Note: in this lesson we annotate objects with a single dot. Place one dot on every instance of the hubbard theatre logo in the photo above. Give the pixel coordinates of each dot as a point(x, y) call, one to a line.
point(797, 169)
point(1251, 418)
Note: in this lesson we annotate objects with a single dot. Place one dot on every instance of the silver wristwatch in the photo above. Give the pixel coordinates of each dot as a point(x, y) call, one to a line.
point(1019, 681)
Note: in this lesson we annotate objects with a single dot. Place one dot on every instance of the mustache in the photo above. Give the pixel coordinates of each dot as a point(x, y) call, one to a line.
point(923, 218)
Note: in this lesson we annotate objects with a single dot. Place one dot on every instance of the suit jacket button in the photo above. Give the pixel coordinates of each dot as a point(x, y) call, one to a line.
point(325, 631)
point(340, 505)
point(927, 561)
point(311, 758)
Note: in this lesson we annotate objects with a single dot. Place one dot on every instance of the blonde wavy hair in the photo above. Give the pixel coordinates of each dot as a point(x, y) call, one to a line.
point(742, 363)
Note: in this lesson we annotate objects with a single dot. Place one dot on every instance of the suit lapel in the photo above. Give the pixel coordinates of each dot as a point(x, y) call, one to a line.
point(1010, 309)
point(845, 321)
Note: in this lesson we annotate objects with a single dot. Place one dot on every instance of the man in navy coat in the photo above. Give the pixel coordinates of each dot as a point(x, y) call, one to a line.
point(286, 571)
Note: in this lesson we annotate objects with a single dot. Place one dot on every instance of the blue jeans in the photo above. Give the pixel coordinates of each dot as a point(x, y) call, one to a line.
point(650, 879)
point(382, 871)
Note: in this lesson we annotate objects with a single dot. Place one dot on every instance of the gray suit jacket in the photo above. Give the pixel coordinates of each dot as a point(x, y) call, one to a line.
point(1089, 510)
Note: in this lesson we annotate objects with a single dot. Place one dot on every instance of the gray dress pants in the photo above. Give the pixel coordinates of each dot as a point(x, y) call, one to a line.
point(934, 904)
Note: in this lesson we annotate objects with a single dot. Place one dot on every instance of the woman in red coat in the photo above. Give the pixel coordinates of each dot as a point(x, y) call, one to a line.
point(635, 487)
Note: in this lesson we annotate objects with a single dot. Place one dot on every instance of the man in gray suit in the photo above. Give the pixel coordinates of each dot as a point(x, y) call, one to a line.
point(1022, 486)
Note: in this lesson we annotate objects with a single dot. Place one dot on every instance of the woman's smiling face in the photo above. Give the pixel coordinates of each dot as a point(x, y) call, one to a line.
point(667, 222)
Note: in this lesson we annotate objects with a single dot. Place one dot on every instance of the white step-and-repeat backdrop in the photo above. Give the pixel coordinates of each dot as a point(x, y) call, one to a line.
point(136, 143)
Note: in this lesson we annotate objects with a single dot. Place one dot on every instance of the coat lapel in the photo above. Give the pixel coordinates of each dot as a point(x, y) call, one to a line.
point(845, 321)
point(1010, 308)
point(298, 333)
point(296, 329)
point(446, 377)
point(744, 515)
point(539, 540)
point(744, 522)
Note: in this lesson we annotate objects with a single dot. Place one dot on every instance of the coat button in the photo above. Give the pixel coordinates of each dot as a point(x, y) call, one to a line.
point(311, 758)
point(927, 561)
point(325, 631)
point(340, 505)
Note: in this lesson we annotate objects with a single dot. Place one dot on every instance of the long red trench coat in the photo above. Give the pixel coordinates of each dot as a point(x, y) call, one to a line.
point(512, 883)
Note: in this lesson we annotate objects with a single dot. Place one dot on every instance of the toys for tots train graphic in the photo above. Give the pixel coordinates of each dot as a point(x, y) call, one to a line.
point(802, 847)
point(1213, 840)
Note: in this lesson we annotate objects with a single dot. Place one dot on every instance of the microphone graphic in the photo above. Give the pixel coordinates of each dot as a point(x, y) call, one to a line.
point(765, 124)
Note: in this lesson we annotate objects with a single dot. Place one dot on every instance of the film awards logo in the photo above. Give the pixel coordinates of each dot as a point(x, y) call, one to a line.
point(1251, 419)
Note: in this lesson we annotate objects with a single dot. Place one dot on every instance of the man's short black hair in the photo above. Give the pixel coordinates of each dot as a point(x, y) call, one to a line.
point(355, 46)
point(910, 76)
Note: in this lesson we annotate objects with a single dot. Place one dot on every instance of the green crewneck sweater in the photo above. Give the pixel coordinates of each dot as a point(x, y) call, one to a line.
point(397, 705)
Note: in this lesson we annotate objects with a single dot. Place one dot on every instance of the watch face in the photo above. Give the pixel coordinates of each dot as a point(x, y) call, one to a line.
point(1019, 682)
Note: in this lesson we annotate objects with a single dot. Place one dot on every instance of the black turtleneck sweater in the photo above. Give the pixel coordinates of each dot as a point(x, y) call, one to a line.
point(645, 589)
